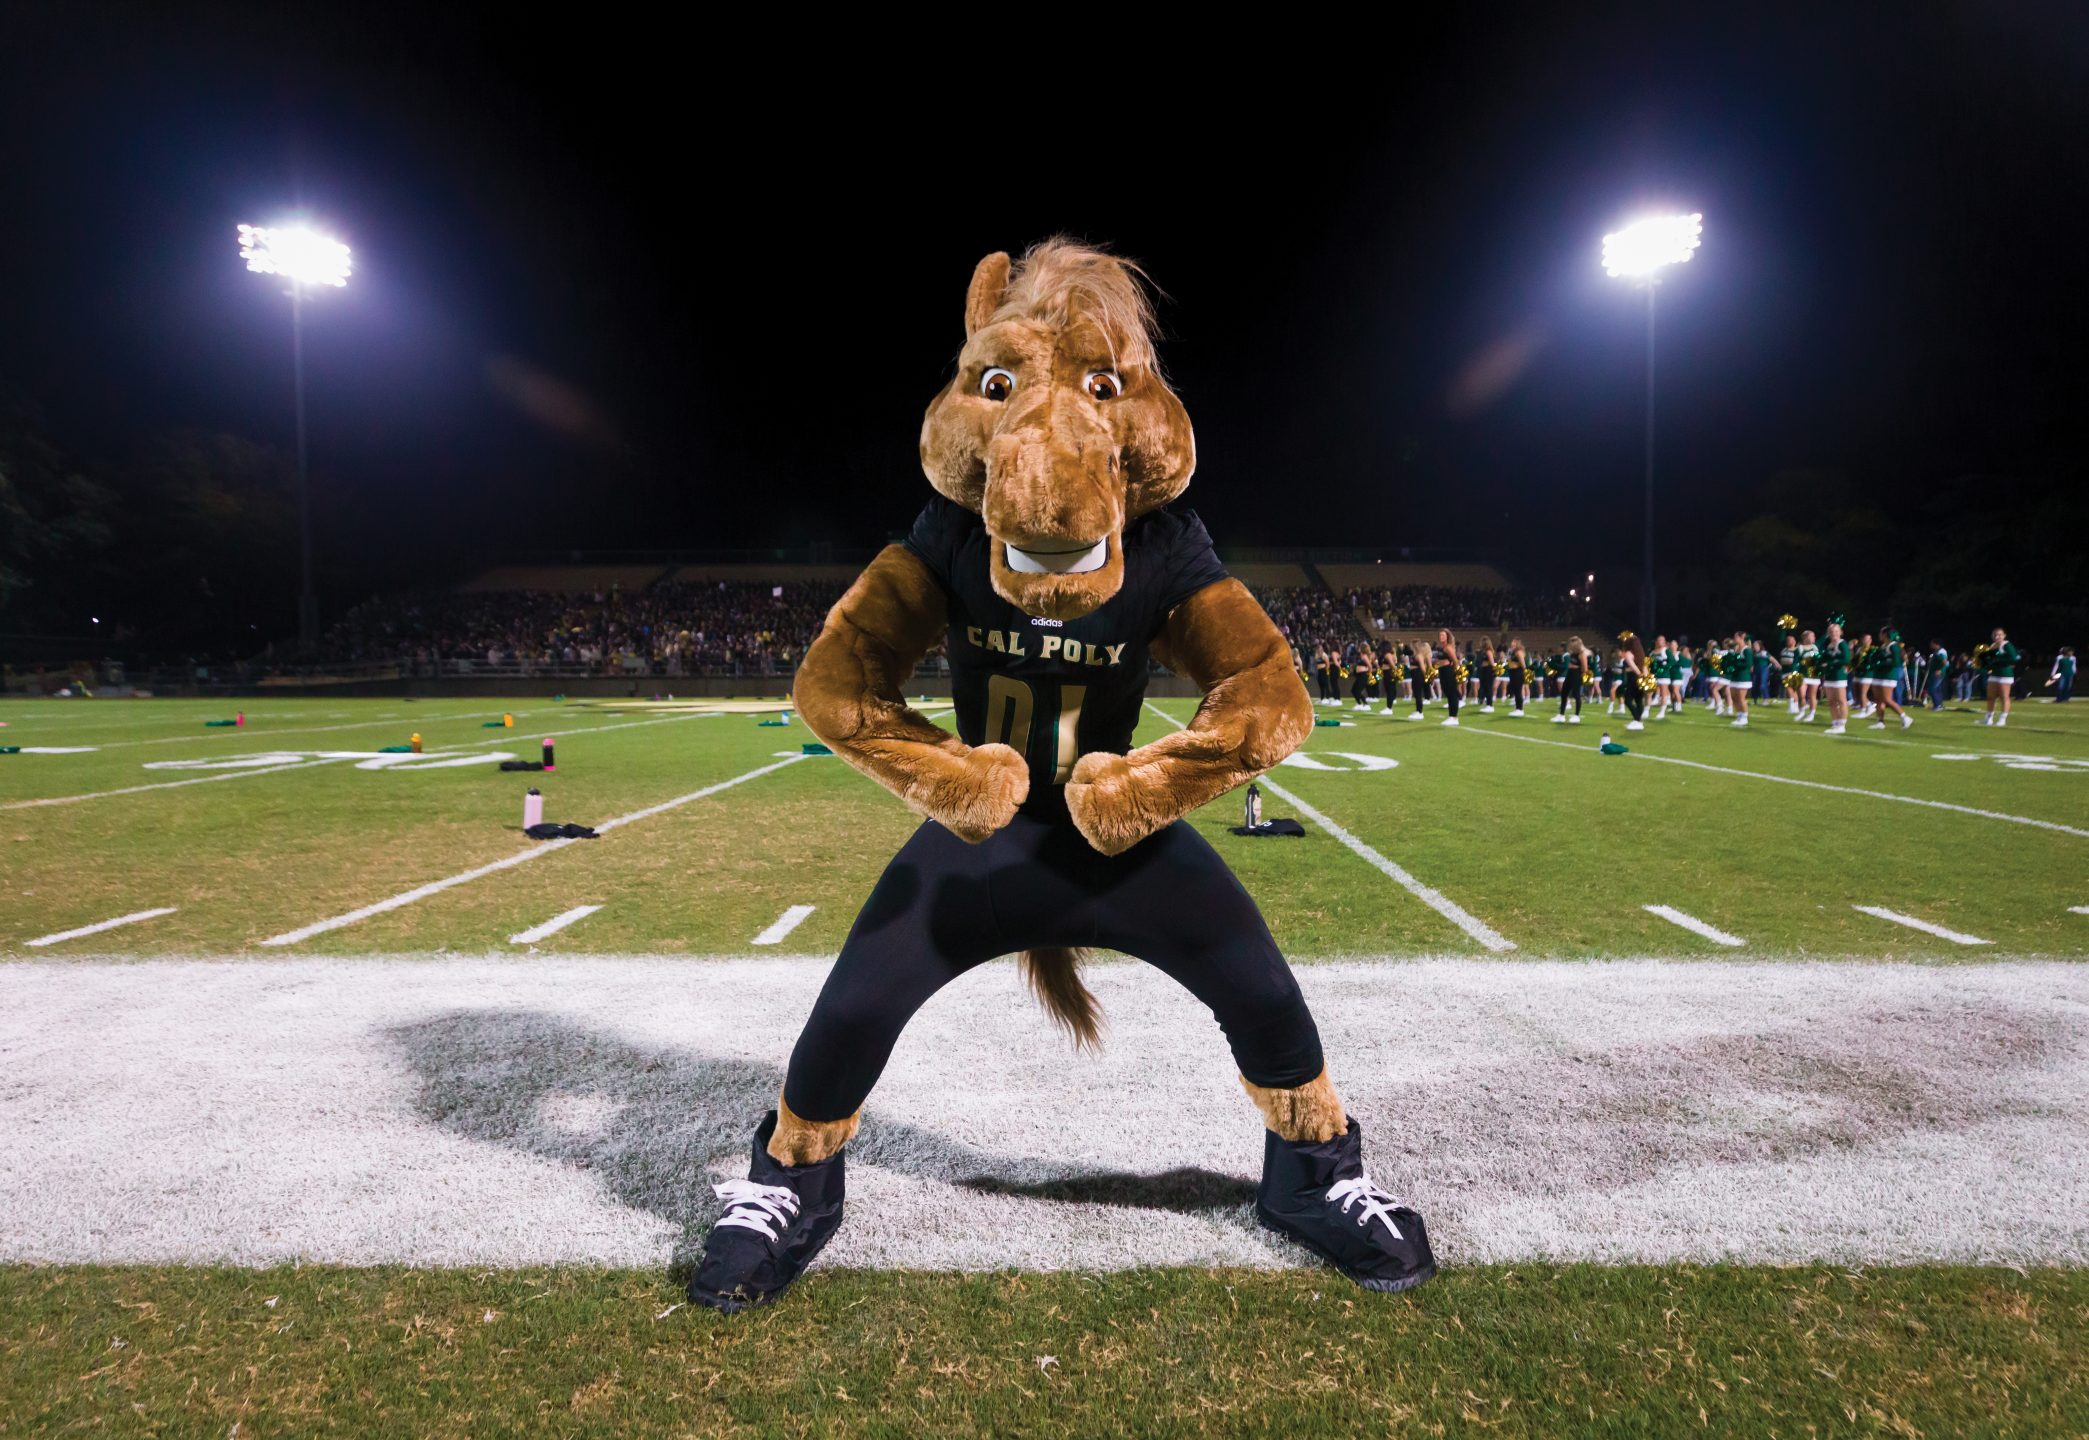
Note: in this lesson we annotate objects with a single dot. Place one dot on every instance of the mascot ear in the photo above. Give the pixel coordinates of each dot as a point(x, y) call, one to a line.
point(989, 285)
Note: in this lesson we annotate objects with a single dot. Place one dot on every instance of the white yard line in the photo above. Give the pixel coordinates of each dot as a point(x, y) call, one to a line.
point(1806, 784)
point(1957, 937)
point(1694, 925)
point(2078, 909)
point(790, 920)
point(264, 735)
point(99, 926)
point(517, 1110)
point(173, 784)
point(506, 737)
point(436, 887)
point(1479, 930)
point(552, 926)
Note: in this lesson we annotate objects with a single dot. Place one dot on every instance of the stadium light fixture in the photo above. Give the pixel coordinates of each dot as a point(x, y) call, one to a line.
point(304, 257)
point(1639, 253)
point(299, 254)
point(1640, 249)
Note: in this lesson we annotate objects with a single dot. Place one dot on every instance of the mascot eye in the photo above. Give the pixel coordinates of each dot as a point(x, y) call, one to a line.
point(1104, 385)
point(997, 384)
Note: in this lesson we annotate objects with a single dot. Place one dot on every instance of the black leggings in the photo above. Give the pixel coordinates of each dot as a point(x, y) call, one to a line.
point(1449, 678)
point(1570, 689)
point(1635, 698)
point(943, 907)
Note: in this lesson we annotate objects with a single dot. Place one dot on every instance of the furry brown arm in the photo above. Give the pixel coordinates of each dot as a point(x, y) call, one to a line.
point(851, 690)
point(1255, 712)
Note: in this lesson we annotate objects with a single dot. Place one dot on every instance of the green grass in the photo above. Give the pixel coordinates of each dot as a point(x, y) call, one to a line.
point(1549, 843)
point(1533, 1350)
point(1553, 845)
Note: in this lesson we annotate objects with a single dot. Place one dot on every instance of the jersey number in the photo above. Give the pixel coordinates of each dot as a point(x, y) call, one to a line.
point(1010, 706)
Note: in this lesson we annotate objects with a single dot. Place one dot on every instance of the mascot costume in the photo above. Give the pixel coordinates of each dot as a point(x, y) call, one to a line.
point(1051, 566)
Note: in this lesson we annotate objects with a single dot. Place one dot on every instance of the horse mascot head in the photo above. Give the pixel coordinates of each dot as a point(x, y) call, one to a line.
point(1057, 427)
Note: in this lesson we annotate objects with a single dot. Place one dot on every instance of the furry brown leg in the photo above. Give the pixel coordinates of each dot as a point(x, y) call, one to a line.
point(799, 1141)
point(1308, 1112)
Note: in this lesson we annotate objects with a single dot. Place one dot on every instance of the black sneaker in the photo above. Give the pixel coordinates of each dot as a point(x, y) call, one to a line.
point(1317, 1193)
point(775, 1222)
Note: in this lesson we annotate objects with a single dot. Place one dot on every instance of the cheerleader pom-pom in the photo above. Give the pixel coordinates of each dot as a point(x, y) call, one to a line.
point(1787, 622)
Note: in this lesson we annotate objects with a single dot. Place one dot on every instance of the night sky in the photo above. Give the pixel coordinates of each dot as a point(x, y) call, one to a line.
point(627, 287)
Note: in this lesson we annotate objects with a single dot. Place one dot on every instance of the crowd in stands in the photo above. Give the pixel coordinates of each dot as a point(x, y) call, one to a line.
point(1425, 607)
point(1309, 616)
point(738, 627)
point(732, 627)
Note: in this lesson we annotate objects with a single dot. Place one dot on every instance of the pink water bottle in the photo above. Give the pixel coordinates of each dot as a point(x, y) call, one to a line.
point(533, 808)
point(550, 757)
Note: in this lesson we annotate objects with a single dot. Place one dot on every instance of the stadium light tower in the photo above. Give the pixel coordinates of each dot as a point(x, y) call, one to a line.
point(303, 257)
point(1638, 253)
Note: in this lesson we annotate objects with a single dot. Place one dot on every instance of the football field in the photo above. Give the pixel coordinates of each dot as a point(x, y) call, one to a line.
point(1743, 1079)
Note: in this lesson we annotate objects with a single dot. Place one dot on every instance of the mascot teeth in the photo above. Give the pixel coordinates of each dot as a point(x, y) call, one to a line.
point(1059, 562)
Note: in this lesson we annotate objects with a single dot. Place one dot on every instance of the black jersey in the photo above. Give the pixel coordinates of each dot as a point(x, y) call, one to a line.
point(1056, 690)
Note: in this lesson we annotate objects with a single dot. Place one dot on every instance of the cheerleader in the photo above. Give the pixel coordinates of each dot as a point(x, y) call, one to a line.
point(1998, 660)
point(1885, 679)
point(1487, 678)
point(1809, 676)
point(1835, 677)
point(1574, 667)
point(1684, 669)
point(1450, 665)
point(1363, 678)
point(1517, 677)
point(1634, 679)
point(1715, 675)
point(1862, 661)
point(1740, 677)
point(1662, 663)
point(1419, 673)
point(1788, 666)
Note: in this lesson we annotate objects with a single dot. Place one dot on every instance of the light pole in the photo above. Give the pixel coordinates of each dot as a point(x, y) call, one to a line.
point(1637, 253)
point(303, 257)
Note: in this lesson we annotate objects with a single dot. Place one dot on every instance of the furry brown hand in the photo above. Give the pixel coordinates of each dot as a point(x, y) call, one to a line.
point(851, 693)
point(1255, 712)
point(1110, 804)
point(979, 794)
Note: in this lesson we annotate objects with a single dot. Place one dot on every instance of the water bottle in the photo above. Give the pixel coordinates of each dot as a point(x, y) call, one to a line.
point(533, 808)
point(1254, 815)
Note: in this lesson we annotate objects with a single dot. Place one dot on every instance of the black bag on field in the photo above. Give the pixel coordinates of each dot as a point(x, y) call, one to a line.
point(549, 831)
point(1271, 827)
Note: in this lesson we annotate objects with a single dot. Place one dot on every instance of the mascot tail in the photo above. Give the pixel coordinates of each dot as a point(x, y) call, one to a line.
point(1054, 976)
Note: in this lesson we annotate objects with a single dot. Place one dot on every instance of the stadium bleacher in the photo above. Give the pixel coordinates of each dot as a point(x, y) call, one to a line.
point(755, 618)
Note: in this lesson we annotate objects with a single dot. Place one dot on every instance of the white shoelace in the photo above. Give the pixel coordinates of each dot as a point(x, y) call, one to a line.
point(1376, 1204)
point(751, 1206)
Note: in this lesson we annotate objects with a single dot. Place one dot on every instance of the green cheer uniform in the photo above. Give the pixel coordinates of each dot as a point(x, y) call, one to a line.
point(1835, 661)
point(1999, 662)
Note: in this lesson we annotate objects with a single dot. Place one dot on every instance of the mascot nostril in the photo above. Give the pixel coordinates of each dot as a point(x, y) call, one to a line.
point(1052, 569)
